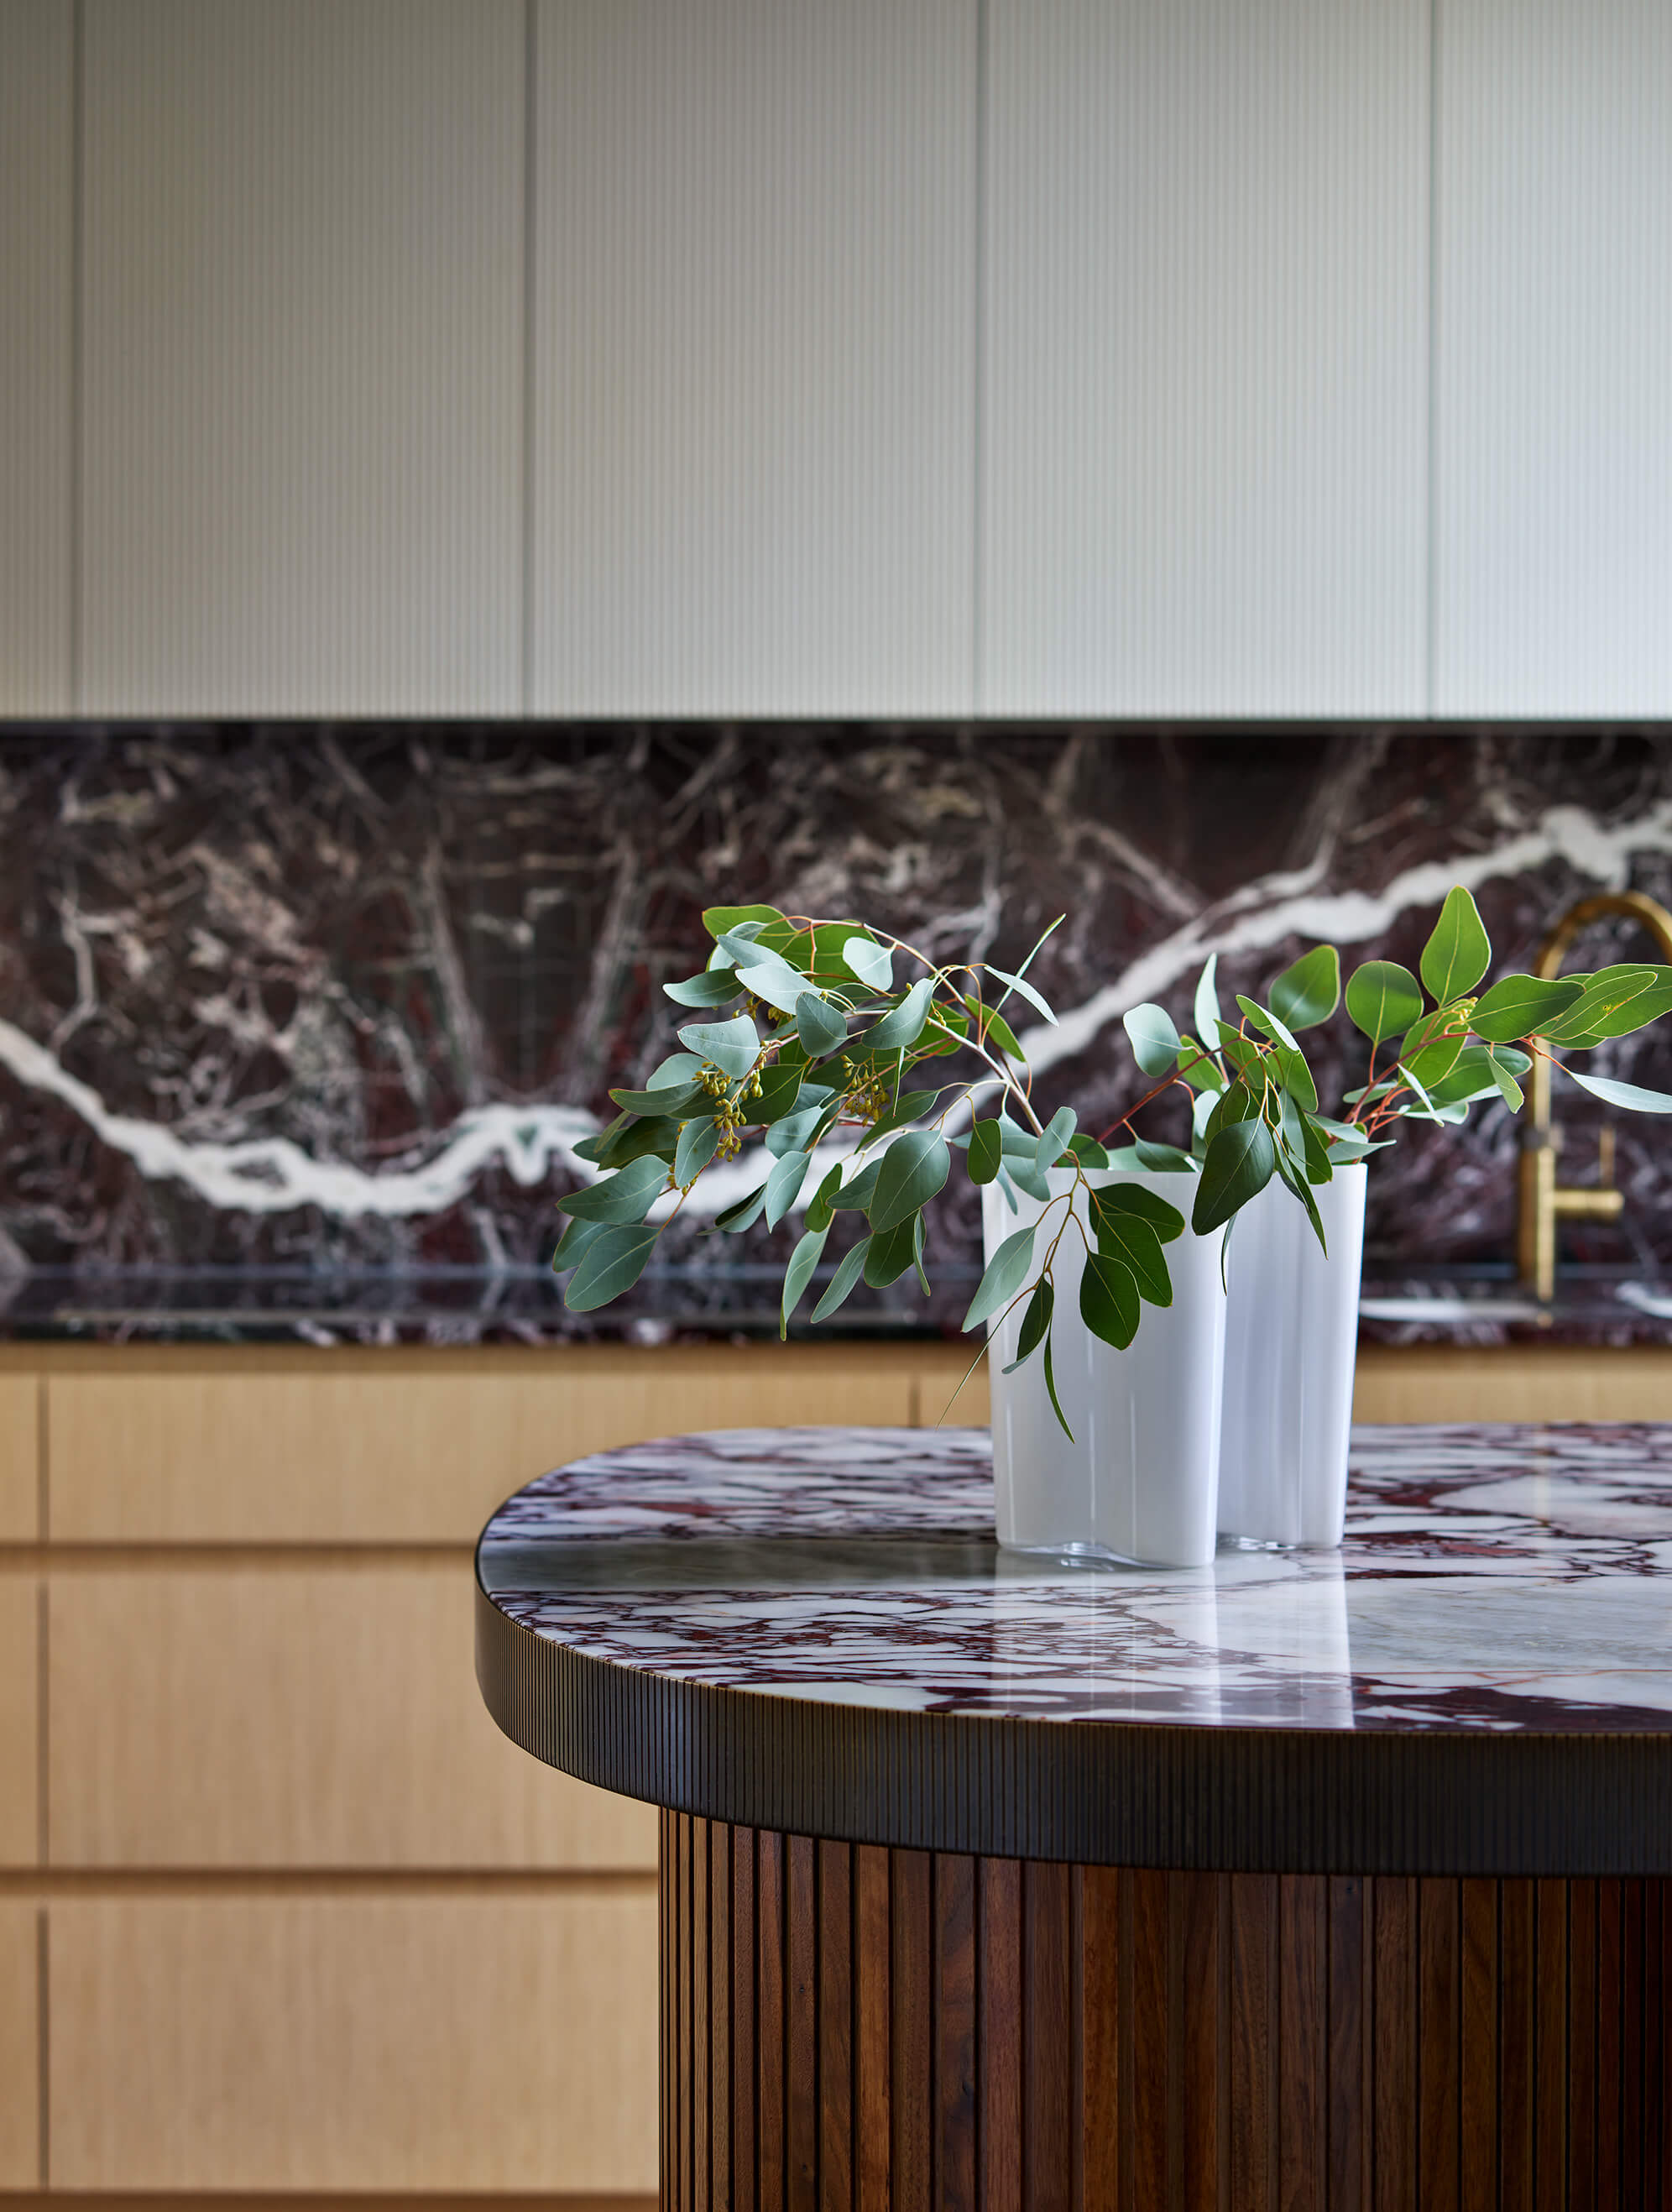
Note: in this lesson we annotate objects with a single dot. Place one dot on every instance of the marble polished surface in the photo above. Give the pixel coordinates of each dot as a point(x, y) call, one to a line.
point(1493, 1579)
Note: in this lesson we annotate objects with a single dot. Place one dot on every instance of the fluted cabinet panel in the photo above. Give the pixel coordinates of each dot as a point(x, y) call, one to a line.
point(302, 319)
point(753, 308)
point(1204, 358)
point(1552, 336)
point(37, 155)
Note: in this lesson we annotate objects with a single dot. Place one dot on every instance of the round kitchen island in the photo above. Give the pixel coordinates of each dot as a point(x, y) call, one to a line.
point(1309, 1879)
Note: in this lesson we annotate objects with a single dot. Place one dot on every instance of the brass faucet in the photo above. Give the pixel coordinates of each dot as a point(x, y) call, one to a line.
point(1543, 1199)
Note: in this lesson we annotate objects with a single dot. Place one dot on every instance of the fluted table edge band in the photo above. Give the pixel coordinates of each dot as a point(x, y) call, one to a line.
point(1098, 1793)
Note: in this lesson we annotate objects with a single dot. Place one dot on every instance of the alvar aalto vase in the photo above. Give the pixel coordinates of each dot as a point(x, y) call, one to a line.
point(1140, 1480)
point(1292, 1338)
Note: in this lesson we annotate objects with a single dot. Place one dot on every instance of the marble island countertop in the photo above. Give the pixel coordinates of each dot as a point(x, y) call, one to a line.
point(446, 1306)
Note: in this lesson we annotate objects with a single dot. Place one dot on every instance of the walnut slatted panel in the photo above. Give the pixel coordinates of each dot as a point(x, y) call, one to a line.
point(854, 2029)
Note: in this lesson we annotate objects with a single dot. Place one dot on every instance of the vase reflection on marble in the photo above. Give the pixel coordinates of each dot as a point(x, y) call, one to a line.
point(1138, 1481)
point(1292, 1336)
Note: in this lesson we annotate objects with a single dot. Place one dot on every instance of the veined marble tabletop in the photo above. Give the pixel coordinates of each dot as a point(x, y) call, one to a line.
point(1498, 1588)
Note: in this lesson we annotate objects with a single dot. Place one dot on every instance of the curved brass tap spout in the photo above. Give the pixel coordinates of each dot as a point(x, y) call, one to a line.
point(1542, 1198)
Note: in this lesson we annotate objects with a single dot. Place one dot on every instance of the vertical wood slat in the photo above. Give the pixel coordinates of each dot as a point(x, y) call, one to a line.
point(1346, 2093)
point(911, 1971)
point(1001, 1995)
point(801, 2011)
point(1048, 2040)
point(1478, 2071)
point(1303, 2014)
point(771, 2146)
point(665, 1951)
point(1440, 2030)
point(1550, 2119)
point(720, 2015)
point(1149, 2038)
point(1202, 2039)
point(835, 2028)
point(743, 2003)
point(873, 1988)
point(1101, 2031)
point(954, 2104)
point(904, 2029)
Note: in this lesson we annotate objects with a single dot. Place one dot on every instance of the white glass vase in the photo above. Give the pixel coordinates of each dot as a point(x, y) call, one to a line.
point(1140, 1480)
point(1292, 1337)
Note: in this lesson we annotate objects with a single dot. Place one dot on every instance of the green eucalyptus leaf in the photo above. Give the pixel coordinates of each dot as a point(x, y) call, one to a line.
point(1631, 1095)
point(1206, 1009)
point(778, 985)
point(900, 1028)
point(1241, 1161)
point(669, 1100)
point(905, 1110)
point(946, 1030)
point(573, 1244)
point(1111, 1198)
point(1050, 1388)
point(718, 919)
point(711, 988)
point(1268, 1024)
point(1609, 1005)
point(1109, 1299)
point(890, 1252)
point(848, 1270)
point(1296, 1076)
point(1459, 953)
point(636, 1141)
point(1018, 983)
point(1128, 1238)
point(1307, 991)
point(625, 1196)
point(820, 1211)
point(1382, 1000)
point(698, 1143)
point(783, 1185)
point(1053, 1141)
point(744, 1215)
point(679, 1071)
point(1155, 1041)
point(1006, 1272)
point(1159, 1159)
point(612, 1264)
point(1319, 1166)
point(1035, 1322)
point(1198, 1065)
point(795, 1133)
point(1029, 1178)
point(784, 1087)
point(821, 1028)
point(912, 1169)
point(1245, 1056)
point(1087, 1151)
point(992, 1024)
point(871, 963)
point(986, 1150)
point(1294, 1177)
point(1508, 1089)
point(854, 1197)
point(1521, 1005)
point(733, 1047)
point(802, 1261)
point(917, 1244)
point(1435, 1061)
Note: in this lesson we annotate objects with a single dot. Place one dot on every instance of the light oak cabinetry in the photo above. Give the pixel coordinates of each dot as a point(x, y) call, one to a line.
point(20, 2023)
point(1553, 329)
point(301, 348)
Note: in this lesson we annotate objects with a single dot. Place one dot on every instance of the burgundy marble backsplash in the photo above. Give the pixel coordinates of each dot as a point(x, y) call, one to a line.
point(349, 995)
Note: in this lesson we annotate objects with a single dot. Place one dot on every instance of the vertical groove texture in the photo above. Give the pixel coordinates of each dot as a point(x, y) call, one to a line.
point(921, 2030)
point(753, 475)
point(1552, 325)
point(302, 356)
point(37, 256)
point(1204, 373)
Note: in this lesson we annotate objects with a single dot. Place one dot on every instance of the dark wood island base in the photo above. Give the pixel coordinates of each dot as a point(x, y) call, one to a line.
point(855, 2028)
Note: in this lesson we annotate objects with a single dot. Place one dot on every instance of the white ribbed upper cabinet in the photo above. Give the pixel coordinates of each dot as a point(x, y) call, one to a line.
point(301, 356)
point(1205, 358)
point(753, 323)
point(1552, 351)
point(37, 155)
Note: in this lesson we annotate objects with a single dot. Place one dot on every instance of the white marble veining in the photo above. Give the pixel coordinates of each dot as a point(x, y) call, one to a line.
point(1492, 1579)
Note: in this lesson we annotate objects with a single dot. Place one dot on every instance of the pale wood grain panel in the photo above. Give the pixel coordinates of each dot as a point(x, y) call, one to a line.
point(313, 2044)
point(298, 1719)
point(753, 432)
point(20, 1457)
point(302, 356)
point(19, 1707)
point(353, 1452)
point(20, 2080)
point(37, 279)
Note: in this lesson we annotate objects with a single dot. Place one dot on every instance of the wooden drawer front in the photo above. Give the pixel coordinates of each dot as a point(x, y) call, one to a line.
point(20, 2083)
point(347, 1452)
point(297, 1718)
point(340, 2044)
point(20, 1457)
point(19, 1710)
